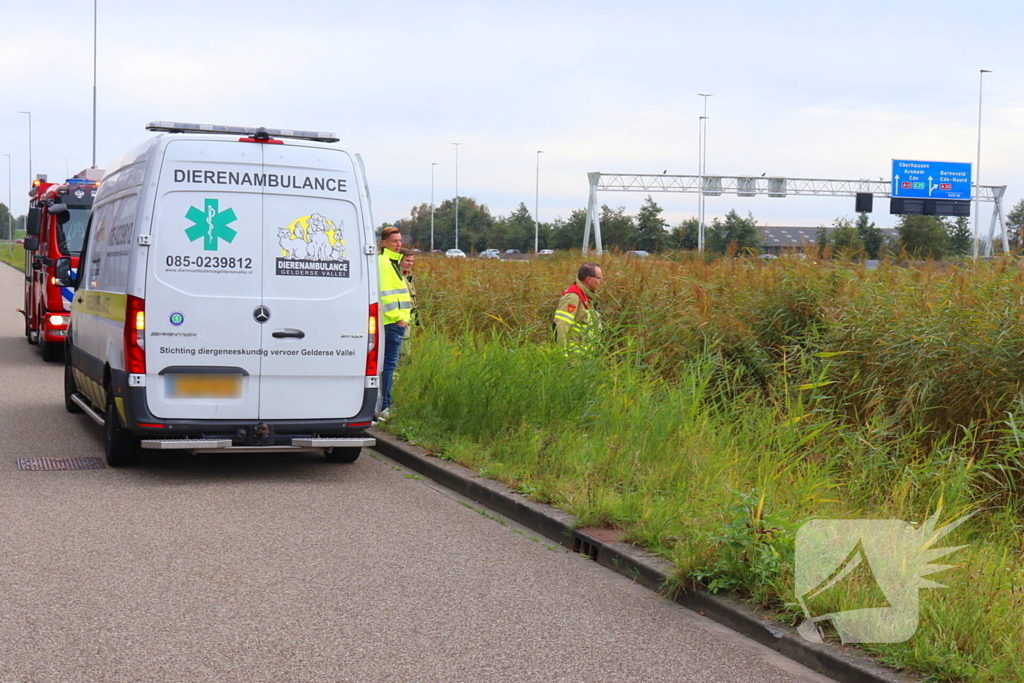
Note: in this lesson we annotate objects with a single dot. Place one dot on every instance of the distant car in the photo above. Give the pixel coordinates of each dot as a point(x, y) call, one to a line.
point(513, 251)
point(455, 253)
point(545, 252)
point(639, 253)
point(437, 251)
point(490, 253)
point(768, 257)
point(19, 241)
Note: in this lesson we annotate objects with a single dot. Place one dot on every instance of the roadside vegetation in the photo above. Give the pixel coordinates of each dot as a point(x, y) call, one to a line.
point(737, 400)
point(13, 254)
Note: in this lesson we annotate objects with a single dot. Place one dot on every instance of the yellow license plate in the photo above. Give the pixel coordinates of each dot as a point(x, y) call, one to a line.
point(204, 386)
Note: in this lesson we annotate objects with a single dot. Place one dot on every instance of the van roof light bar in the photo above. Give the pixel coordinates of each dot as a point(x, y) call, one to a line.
point(209, 129)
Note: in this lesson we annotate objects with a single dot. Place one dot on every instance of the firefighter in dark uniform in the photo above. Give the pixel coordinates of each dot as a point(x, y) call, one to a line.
point(577, 320)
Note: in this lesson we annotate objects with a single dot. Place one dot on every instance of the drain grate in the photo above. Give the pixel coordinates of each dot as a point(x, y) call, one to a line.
point(585, 547)
point(54, 464)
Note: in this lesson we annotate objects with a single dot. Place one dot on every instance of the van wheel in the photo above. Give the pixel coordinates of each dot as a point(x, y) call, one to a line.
point(120, 446)
point(344, 455)
point(70, 389)
point(52, 351)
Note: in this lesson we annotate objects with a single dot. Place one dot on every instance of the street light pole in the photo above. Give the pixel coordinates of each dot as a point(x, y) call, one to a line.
point(536, 209)
point(94, 41)
point(977, 172)
point(10, 210)
point(432, 165)
point(702, 153)
point(700, 184)
point(456, 193)
point(30, 178)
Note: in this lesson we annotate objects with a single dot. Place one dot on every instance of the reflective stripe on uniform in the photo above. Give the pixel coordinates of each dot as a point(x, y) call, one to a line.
point(396, 305)
point(567, 317)
point(389, 292)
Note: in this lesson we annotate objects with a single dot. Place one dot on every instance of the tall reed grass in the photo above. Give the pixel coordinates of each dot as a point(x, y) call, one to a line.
point(736, 401)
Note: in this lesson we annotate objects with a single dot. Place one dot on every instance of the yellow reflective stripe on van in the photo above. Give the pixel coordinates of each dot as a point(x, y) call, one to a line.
point(110, 305)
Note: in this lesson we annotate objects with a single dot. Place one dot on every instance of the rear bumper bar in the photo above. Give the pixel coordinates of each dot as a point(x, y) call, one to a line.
point(225, 446)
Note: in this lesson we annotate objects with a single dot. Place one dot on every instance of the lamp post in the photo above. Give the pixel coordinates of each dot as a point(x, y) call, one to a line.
point(432, 165)
point(977, 172)
point(702, 156)
point(536, 209)
point(10, 211)
point(94, 41)
point(700, 184)
point(30, 178)
point(456, 193)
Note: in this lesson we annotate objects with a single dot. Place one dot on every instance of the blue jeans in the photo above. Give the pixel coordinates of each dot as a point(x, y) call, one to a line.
point(393, 336)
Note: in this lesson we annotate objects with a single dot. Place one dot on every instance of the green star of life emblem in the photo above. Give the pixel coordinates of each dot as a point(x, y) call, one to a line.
point(211, 224)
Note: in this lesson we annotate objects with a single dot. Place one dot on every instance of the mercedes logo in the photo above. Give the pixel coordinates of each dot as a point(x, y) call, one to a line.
point(261, 314)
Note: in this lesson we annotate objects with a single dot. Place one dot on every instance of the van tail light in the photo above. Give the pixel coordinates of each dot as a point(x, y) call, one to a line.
point(372, 342)
point(135, 336)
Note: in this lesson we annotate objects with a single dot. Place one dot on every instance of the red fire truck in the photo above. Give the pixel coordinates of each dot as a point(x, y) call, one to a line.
point(55, 227)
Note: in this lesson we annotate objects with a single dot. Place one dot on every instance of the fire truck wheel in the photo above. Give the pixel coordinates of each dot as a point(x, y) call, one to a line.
point(346, 454)
point(69, 389)
point(52, 351)
point(120, 447)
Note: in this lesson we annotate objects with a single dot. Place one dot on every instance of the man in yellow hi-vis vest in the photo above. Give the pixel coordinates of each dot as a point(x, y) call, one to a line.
point(576, 318)
point(395, 307)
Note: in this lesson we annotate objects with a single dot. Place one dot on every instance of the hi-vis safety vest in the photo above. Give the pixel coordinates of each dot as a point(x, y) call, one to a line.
point(395, 302)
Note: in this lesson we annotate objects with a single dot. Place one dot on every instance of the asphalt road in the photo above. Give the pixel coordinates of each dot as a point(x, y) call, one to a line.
point(287, 568)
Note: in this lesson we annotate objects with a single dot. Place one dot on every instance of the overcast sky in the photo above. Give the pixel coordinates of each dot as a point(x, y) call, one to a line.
point(801, 89)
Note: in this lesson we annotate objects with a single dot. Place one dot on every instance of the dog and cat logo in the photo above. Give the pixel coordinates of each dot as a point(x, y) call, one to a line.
point(881, 563)
point(312, 246)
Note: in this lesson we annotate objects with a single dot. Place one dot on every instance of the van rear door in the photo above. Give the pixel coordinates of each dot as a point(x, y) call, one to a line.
point(204, 282)
point(314, 285)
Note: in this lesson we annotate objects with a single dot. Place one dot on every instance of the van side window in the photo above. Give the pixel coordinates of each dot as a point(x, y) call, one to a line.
point(110, 240)
point(119, 231)
point(89, 264)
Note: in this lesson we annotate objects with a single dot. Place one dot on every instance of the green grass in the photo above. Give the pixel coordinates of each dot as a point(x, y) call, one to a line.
point(13, 254)
point(737, 401)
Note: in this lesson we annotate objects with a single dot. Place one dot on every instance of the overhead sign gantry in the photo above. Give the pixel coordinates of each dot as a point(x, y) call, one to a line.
point(750, 186)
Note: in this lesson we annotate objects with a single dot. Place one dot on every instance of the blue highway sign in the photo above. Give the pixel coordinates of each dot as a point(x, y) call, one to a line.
point(931, 179)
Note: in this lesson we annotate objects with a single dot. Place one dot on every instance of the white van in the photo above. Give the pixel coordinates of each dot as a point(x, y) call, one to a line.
point(226, 297)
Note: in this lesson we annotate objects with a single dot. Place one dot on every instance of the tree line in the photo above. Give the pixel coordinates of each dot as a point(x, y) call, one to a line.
point(928, 237)
point(6, 223)
point(647, 230)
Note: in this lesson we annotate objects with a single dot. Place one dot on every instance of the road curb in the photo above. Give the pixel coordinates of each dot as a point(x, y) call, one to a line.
point(835, 661)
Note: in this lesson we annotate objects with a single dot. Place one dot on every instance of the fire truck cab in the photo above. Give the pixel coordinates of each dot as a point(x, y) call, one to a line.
point(55, 228)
